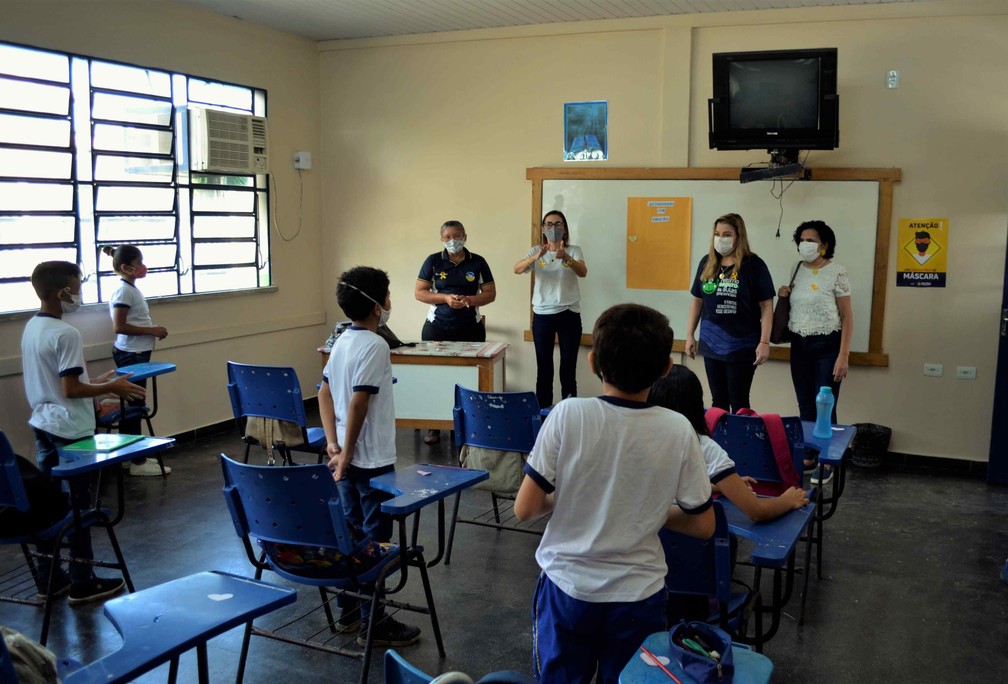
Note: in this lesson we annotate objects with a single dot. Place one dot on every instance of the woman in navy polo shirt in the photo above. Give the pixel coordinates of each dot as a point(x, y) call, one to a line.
point(733, 294)
point(455, 282)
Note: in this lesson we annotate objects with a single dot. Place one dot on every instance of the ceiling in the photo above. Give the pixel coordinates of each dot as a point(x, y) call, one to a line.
point(345, 19)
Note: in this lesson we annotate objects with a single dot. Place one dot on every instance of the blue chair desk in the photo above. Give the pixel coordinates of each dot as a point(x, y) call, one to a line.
point(413, 490)
point(147, 371)
point(75, 463)
point(750, 667)
point(831, 453)
point(159, 624)
point(774, 547)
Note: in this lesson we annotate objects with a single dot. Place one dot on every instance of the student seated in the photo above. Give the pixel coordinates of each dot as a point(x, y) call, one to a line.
point(613, 470)
point(61, 398)
point(682, 392)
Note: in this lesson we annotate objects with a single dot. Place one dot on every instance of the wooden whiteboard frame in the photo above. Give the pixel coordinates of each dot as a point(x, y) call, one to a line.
point(886, 179)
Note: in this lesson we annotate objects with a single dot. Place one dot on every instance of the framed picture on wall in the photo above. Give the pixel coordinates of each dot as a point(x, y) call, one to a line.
point(586, 131)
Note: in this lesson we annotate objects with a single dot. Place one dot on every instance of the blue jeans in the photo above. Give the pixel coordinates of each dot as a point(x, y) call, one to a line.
point(729, 382)
point(572, 638)
point(566, 328)
point(362, 507)
point(812, 360)
point(47, 458)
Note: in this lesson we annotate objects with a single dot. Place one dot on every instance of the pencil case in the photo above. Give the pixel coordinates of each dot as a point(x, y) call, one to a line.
point(703, 651)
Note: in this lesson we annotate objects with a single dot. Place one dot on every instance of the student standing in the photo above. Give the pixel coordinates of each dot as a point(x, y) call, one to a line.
point(733, 294)
point(556, 305)
point(135, 335)
point(613, 470)
point(61, 396)
point(455, 282)
point(358, 416)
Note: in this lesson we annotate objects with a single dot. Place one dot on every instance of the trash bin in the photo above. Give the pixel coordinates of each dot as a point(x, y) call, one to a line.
point(871, 442)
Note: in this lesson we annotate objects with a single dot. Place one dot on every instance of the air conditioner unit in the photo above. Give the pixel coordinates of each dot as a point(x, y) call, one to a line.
point(226, 142)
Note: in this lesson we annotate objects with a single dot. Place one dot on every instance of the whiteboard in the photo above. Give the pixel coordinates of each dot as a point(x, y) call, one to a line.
point(596, 211)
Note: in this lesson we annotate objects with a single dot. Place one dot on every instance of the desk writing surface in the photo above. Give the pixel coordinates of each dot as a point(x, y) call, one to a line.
point(150, 369)
point(750, 667)
point(774, 540)
point(831, 450)
point(413, 489)
point(74, 463)
point(472, 350)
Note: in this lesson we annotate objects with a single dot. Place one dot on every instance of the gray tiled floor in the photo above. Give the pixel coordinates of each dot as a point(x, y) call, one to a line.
point(910, 588)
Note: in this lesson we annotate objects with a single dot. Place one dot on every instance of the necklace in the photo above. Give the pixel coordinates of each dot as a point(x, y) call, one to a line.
point(725, 270)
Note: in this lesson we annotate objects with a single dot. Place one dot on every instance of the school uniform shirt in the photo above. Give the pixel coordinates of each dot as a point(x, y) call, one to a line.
point(50, 350)
point(813, 299)
point(730, 327)
point(137, 313)
point(719, 464)
point(463, 279)
point(360, 362)
point(556, 286)
point(615, 468)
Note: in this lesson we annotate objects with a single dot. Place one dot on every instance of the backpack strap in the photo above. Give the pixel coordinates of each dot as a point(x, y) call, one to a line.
point(781, 449)
point(712, 416)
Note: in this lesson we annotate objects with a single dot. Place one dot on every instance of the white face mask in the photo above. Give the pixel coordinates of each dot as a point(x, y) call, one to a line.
point(385, 314)
point(724, 245)
point(454, 246)
point(808, 251)
point(75, 302)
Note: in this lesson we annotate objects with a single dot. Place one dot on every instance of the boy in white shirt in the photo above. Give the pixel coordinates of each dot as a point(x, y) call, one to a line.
point(61, 398)
point(355, 403)
point(613, 470)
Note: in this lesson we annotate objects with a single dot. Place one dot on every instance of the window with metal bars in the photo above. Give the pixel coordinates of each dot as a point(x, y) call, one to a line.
point(96, 153)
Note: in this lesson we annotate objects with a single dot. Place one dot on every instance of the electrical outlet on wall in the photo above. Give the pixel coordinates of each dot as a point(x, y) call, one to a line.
point(966, 372)
point(933, 370)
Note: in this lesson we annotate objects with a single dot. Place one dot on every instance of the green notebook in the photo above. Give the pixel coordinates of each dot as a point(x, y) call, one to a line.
point(103, 442)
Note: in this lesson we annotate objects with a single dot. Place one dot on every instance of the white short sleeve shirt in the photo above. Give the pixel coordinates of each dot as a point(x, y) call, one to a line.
point(360, 361)
point(615, 468)
point(137, 313)
point(813, 299)
point(719, 464)
point(556, 286)
point(51, 349)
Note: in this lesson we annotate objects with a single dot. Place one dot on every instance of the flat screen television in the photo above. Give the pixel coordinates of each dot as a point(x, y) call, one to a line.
point(775, 100)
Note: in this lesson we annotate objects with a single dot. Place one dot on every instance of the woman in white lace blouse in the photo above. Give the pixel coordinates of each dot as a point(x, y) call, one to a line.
point(821, 319)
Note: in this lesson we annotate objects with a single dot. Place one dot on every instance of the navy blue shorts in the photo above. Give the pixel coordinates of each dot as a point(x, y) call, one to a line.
point(571, 639)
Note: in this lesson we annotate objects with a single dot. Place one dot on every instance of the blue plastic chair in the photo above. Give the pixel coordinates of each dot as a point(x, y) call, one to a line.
point(747, 443)
point(702, 567)
point(507, 421)
point(14, 495)
point(400, 671)
point(272, 392)
point(300, 506)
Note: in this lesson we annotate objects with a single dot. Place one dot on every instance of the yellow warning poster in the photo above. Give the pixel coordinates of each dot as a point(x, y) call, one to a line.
point(922, 252)
point(658, 243)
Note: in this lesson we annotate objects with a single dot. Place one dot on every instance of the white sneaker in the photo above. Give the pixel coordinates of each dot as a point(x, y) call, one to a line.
point(148, 468)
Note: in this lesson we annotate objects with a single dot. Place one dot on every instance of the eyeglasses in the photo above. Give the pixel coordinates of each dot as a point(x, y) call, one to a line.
point(550, 224)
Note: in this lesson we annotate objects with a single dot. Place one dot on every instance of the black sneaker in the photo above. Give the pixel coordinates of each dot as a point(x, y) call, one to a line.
point(390, 632)
point(61, 585)
point(349, 620)
point(94, 590)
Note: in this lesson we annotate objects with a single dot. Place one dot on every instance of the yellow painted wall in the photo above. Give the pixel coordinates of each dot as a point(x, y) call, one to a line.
point(281, 327)
point(417, 130)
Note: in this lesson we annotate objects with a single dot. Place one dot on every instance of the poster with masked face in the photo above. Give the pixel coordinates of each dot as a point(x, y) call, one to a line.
point(922, 252)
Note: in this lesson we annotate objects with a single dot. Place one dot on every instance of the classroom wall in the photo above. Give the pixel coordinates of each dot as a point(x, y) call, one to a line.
point(279, 327)
point(420, 129)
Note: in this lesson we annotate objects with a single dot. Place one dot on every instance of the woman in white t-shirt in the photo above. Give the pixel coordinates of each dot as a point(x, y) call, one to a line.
point(135, 335)
point(821, 320)
point(556, 305)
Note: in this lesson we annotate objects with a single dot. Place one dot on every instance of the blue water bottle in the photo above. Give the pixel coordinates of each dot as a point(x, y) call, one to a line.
point(824, 413)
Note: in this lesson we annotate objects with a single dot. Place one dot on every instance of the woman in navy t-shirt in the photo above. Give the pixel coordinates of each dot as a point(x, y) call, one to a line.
point(733, 295)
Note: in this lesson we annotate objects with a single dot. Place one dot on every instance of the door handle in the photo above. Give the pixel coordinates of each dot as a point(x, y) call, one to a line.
point(1004, 322)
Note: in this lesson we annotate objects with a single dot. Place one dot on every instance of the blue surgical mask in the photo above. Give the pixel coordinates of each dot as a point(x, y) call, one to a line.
point(454, 246)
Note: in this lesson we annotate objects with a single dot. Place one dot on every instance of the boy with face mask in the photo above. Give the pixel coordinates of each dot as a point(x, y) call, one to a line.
point(61, 398)
point(358, 416)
